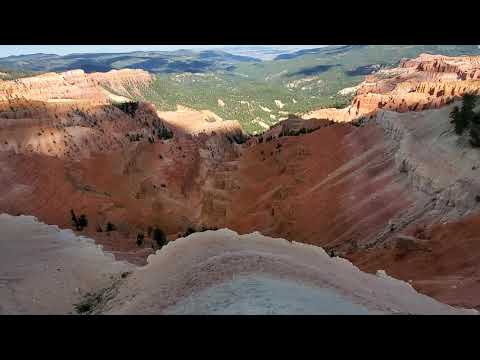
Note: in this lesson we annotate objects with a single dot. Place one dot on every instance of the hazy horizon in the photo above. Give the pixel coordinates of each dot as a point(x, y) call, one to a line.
point(16, 50)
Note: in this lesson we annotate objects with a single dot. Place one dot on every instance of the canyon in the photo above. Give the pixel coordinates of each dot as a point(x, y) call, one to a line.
point(384, 183)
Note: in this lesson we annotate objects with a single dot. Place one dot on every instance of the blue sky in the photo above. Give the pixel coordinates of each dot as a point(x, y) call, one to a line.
point(7, 50)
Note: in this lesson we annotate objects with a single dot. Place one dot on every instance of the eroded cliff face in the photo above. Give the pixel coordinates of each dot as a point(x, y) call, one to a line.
point(75, 85)
point(373, 194)
point(72, 131)
point(127, 166)
point(427, 82)
point(371, 191)
point(69, 115)
point(465, 67)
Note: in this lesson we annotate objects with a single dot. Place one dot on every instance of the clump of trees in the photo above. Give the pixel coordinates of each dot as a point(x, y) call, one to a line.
point(140, 239)
point(465, 118)
point(238, 138)
point(79, 222)
point(159, 237)
point(302, 131)
point(110, 227)
point(134, 137)
point(164, 133)
point(191, 230)
point(129, 108)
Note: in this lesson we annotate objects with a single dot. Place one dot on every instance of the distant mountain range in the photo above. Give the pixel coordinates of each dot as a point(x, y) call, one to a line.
point(380, 51)
point(264, 52)
point(328, 50)
point(230, 59)
point(154, 61)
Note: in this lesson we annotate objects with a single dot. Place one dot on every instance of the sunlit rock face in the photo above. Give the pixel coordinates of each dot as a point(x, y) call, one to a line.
point(70, 115)
point(426, 82)
point(75, 85)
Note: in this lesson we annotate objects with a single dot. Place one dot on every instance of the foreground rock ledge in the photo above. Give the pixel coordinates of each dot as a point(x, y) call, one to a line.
point(46, 270)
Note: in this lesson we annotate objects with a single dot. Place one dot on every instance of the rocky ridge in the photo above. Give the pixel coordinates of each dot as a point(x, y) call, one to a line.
point(74, 276)
point(426, 82)
point(74, 85)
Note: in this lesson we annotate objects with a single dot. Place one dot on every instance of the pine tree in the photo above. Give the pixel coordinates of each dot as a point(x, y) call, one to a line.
point(82, 221)
point(159, 237)
point(467, 107)
point(74, 219)
point(464, 117)
point(110, 227)
point(140, 238)
point(458, 120)
point(475, 131)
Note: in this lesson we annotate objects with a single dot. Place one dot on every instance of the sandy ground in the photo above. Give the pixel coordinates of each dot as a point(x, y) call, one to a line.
point(196, 121)
point(258, 295)
point(114, 97)
point(45, 270)
point(223, 272)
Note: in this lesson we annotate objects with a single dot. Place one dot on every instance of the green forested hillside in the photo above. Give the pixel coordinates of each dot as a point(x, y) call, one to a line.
point(301, 81)
point(257, 93)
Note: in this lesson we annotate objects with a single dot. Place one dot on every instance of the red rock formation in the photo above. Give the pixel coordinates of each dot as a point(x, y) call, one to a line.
point(427, 82)
point(87, 155)
point(318, 188)
point(71, 130)
point(441, 260)
point(74, 85)
point(465, 67)
point(361, 191)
